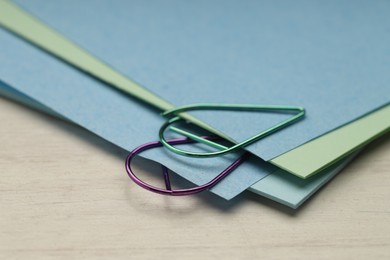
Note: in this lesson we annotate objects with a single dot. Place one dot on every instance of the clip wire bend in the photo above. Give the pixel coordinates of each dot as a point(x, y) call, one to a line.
point(175, 117)
point(179, 192)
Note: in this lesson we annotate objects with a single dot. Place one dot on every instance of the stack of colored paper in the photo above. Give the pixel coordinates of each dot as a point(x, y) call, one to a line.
point(330, 57)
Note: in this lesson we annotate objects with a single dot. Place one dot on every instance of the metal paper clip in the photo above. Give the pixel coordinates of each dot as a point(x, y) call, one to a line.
point(168, 187)
point(175, 117)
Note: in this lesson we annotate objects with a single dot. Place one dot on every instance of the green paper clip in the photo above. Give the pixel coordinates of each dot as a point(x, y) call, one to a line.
point(175, 118)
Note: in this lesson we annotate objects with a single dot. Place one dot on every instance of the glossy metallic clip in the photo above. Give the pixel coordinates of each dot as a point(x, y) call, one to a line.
point(168, 189)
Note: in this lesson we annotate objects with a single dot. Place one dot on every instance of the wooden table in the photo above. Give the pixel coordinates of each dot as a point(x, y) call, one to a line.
point(64, 195)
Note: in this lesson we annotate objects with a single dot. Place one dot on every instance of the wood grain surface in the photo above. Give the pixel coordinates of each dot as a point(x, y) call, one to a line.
point(64, 194)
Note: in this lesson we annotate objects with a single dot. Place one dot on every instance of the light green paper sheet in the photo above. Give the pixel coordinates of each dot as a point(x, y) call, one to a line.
point(310, 158)
point(25, 25)
point(302, 161)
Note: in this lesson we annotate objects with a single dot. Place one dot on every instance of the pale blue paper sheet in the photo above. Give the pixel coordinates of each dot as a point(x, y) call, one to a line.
point(293, 191)
point(279, 186)
point(331, 57)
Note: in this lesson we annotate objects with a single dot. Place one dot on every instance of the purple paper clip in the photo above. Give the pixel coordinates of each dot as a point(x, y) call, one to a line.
point(168, 190)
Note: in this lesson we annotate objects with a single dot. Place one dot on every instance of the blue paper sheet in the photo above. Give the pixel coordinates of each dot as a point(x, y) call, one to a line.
point(202, 70)
point(331, 57)
point(33, 74)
